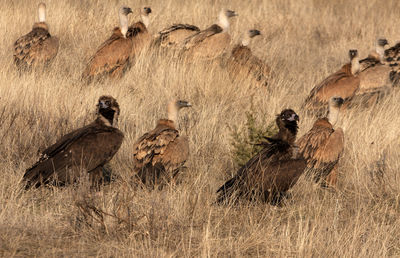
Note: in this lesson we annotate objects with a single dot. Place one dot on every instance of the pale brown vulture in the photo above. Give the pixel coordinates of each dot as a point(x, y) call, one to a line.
point(86, 150)
point(160, 154)
point(243, 63)
point(343, 83)
point(139, 34)
point(211, 42)
point(271, 172)
point(323, 145)
point(112, 57)
point(174, 36)
point(37, 47)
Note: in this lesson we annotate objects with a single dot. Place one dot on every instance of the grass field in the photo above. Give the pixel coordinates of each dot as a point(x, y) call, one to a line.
point(303, 41)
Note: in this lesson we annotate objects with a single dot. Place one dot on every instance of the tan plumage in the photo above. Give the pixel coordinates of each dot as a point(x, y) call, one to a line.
point(139, 34)
point(243, 63)
point(161, 153)
point(392, 58)
point(86, 149)
point(323, 145)
point(343, 83)
point(211, 42)
point(175, 35)
point(37, 47)
point(271, 172)
point(112, 57)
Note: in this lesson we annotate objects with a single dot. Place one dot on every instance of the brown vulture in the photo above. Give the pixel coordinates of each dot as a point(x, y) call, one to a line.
point(37, 47)
point(112, 57)
point(243, 63)
point(86, 149)
point(160, 154)
point(343, 83)
point(271, 172)
point(211, 42)
point(138, 33)
point(323, 145)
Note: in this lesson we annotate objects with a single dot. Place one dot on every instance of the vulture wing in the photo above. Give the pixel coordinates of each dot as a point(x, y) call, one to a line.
point(87, 148)
point(201, 36)
point(28, 48)
point(112, 57)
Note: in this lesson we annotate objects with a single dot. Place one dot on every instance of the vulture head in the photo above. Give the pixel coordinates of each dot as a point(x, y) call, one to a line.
point(42, 12)
point(334, 107)
point(123, 18)
point(223, 18)
point(174, 107)
point(146, 11)
point(249, 35)
point(382, 42)
point(108, 109)
point(144, 15)
point(288, 119)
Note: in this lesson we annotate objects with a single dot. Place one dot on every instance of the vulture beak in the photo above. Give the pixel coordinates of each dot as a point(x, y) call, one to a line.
point(294, 117)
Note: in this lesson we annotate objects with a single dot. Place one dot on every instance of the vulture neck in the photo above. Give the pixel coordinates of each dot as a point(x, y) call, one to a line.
point(333, 115)
point(223, 21)
point(41, 25)
point(145, 20)
point(287, 132)
point(246, 40)
point(106, 117)
point(355, 65)
point(172, 111)
point(123, 21)
point(42, 13)
point(380, 51)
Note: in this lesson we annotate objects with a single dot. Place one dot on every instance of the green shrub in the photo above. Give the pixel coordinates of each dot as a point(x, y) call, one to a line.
point(245, 142)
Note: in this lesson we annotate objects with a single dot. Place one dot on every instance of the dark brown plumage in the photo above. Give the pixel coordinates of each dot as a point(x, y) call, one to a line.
point(323, 145)
point(37, 47)
point(392, 58)
point(112, 57)
point(161, 153)
point(175, 35)
point(86, 150)
point(242, 63)
point(273, 171)
point(343, 83)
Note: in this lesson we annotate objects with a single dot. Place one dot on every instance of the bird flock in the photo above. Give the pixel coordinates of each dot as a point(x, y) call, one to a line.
point(160, 154)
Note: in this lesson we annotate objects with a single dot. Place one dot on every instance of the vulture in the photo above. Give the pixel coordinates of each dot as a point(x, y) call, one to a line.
point(343, 83)
point(139, 34)
point(160, 154)
point(323, 145)
point(271, 172)
point(243, 63)
point(211, 42)
point(112, 57)
point(174, 36)
point(37, 47)
point(86, 149)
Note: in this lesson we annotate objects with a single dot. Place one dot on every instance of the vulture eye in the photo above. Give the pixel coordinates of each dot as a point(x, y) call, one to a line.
point(108, 103)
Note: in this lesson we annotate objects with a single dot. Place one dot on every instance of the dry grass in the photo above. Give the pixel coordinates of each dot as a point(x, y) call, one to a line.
point(303, 42)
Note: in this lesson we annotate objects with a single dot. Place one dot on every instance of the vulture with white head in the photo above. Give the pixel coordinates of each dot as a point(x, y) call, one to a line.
point(343, 83)
point(323, 145)
point(112, 57)
point(86, 149)
point(211, 42)
point(162, 152)
point(37, 47)
point(243, 63)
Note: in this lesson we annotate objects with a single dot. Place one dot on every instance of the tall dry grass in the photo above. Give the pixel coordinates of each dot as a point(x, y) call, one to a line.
point(303, 41)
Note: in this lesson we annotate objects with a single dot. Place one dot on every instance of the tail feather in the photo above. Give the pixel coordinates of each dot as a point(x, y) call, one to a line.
point(226, 191)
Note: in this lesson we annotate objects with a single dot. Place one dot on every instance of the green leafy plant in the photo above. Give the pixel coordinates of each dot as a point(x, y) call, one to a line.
point(245, 142)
